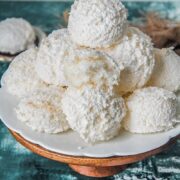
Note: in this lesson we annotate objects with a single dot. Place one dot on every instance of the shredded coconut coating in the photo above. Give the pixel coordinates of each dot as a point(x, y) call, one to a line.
point(89, 67)
point(94, 114)
point(95, 23)
point(166, 73)
point(135, 52)
point(53, 52)
point(21, 78)
point(42, 111)
point(151, 110)
point(16, 35)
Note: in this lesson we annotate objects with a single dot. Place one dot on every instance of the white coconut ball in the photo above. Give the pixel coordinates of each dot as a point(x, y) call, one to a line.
point(166, 73)
point(90, 67)
point(97, 23)
point(94, 114)
point(151, 110)
point(21, 78)
point(135, 52)
point(16, 35)
point(42, 112)
point(53, 52)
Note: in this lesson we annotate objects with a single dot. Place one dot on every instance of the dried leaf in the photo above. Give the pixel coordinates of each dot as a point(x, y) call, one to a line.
point(164, 33)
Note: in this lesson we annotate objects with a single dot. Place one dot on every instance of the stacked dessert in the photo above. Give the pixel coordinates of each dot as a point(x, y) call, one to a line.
point(92, 77)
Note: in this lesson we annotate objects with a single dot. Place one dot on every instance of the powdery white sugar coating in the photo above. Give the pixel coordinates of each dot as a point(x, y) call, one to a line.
point(90, 67)
point(21, 78)
point(42, 112)
point(16, 35)
point(94, 114)
point(52, 53)
point(135, 51)
point(95, 23)
point(151, 110)
point(167, 70)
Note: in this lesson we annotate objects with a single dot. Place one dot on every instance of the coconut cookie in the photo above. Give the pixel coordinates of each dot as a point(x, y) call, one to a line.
point(89, 67)
point(151, 110)
point(42, 112)
point(166, 73)
point(95, 23)
point(94, 114)
point(135, 52)
point(20, 78)
point(16, 35)
point(53, 51)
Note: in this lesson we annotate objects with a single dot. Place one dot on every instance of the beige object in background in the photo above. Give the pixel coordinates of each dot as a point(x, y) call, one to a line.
point(95, 23)
point(151, 110)
point(166, 73)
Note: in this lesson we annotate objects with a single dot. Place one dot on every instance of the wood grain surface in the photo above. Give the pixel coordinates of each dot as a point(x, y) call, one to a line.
point(88, 161)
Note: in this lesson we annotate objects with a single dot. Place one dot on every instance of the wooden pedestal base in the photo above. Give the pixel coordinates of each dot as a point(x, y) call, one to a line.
point(97, 171)
point(88, 166)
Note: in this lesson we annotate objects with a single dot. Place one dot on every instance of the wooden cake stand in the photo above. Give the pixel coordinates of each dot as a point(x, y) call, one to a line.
point(94, 167)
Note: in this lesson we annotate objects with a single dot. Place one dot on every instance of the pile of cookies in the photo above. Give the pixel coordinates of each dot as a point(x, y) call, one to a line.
point(96, 77)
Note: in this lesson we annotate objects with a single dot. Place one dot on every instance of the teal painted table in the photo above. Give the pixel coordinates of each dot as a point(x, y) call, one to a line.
point(18, 163)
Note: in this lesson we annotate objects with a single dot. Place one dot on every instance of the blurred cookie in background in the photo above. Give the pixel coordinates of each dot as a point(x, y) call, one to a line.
point(17, 35)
